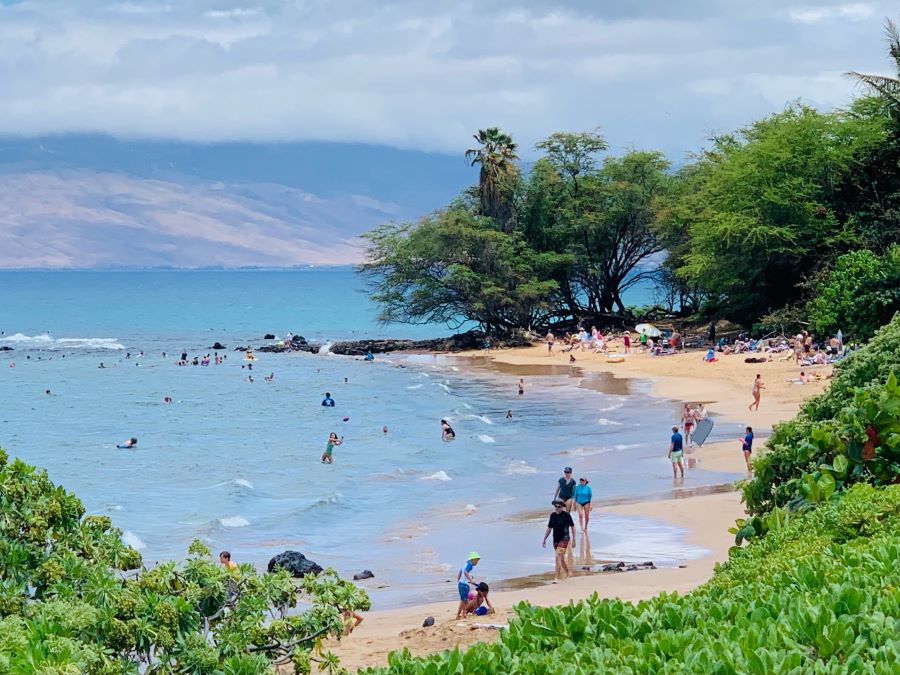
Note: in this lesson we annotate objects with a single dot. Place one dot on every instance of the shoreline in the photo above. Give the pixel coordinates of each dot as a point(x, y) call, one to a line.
point(704, 518)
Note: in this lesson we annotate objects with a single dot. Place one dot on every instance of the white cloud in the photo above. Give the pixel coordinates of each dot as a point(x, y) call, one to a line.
point(419, 74)
point(856, 11)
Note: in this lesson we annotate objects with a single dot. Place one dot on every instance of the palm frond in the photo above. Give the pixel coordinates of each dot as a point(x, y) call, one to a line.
point(888, 87)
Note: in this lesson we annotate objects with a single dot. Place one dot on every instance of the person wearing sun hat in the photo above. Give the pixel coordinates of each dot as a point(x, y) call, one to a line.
point(463, 579)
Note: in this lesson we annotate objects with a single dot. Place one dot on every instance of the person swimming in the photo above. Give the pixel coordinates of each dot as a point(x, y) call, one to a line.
point(130, 443)
point(328, 402)
point(447, 432)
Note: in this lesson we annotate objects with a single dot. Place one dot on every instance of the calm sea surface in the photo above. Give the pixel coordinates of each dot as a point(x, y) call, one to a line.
point(237, 464)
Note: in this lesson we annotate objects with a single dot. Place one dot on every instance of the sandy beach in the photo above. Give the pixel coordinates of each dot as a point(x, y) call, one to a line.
point(724, 387)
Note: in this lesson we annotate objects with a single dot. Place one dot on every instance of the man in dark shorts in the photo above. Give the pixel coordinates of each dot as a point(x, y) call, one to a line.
point(566, 489)
point(563, 528)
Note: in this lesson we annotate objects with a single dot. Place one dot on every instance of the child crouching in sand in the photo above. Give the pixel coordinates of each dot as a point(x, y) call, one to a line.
point(463, 579)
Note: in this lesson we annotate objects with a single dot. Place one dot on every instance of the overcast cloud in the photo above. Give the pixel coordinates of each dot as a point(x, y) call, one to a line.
point(425, 74)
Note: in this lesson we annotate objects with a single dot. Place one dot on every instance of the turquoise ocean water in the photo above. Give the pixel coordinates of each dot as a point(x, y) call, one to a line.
point(237, 464)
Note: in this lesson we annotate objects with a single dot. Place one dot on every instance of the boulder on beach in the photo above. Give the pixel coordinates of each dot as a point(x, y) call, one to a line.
point(473, 339)
point(294, 562)
point(429, 621)
point(218, 345)
point(365, 574)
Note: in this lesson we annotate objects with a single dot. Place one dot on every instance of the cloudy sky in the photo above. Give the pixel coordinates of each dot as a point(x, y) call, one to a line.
point(425, 74)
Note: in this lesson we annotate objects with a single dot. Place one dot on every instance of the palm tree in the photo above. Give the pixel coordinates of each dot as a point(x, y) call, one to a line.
point(888, 87)
point(497, 156)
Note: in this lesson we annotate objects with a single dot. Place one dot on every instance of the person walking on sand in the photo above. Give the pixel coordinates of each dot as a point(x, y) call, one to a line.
point(565, 491)
point(756, 391)
point(583, 496)
point(463, 579)
point(747, 446)
point(626, 340)
point(563, 528)
point(333, 440)
point(676, 452)
point(551, 338)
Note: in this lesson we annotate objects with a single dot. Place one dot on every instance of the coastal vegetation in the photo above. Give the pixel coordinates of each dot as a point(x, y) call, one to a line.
point(791, 220)
point(75, 599)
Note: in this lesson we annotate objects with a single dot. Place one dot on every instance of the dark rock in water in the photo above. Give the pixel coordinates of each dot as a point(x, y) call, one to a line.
point(5, 348)
point(614, 567)
point(268, 336)
point(294, 562)
point(473, 339)
point(241, 349)
point(429, 621)
point(218, 345)
point(365, 574)
point(297, 343)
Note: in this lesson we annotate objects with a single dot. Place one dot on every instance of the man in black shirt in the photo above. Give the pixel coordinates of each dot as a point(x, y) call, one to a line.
point(563, 528)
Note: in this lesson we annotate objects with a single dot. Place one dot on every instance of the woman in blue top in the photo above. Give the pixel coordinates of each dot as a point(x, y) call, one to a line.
point(583, 496)
point(747, 446)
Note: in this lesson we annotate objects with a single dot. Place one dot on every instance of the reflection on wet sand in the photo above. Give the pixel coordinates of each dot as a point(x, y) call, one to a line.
point(605, 383)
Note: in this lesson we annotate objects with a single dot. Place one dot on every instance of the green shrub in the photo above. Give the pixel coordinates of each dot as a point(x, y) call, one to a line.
point(66, 607)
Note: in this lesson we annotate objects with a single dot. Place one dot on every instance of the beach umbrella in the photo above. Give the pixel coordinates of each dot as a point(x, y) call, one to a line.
point(648, 329)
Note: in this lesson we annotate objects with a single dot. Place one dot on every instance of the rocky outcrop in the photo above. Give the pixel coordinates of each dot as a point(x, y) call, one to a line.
point(218, 346)
point(473, 339)
point(297, 343)
point(294, 562)
point(268, 336)
point(365, 574)
point(5, 348)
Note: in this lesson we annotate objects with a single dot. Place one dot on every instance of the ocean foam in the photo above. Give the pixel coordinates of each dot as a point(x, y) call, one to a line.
point(483, 418)
point(614, 406)
point(415, 386)
point(603, 422)
point(242, 482)
point(439, 475)
point(46, 342)
point(234, 521)
point(484, 438)
point(520, 468)
point(129, 538)
point(443, 386)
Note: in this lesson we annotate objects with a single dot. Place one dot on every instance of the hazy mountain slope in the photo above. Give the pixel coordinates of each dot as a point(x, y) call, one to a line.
point(87, 218)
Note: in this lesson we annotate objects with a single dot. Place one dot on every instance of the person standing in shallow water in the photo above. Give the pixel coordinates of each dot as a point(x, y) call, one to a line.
point(333, 440)
point(563, 528)
point(676, 453)
point(566, 489)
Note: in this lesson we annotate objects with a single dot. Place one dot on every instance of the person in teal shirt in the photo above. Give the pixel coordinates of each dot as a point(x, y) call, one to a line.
point(583, 495)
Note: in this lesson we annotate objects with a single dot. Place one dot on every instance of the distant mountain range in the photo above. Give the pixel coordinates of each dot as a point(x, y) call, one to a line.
point(92, 201)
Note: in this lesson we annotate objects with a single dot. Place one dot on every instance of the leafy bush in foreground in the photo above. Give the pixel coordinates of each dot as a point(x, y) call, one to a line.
point(67, 608)
point(820, 595)
point(838, 422)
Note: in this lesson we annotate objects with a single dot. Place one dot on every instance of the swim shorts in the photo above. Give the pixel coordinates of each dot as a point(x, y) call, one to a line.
point(463, 590)
point(676, 456)
point(564, 543)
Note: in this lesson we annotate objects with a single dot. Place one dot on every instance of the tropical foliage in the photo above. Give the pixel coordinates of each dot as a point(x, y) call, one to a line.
point(74, 599)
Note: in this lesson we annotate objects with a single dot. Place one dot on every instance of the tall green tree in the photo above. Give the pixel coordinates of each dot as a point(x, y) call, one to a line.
point(496, 157)
point(454, 267)
point(759, 208)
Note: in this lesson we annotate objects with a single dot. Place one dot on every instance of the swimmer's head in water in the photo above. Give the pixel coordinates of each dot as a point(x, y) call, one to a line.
point(133, 441)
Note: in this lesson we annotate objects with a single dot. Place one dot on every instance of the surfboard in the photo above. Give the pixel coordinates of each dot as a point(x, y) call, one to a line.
point(702, 431)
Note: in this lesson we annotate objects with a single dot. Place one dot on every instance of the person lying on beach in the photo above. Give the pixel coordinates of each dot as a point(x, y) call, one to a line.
point(463, 579)
point(477, 598)
point(447, 433)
